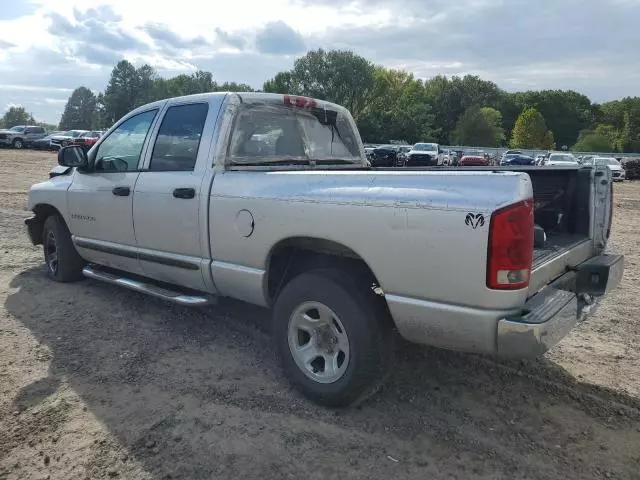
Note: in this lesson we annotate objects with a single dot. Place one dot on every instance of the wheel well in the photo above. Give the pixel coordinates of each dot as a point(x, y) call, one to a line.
point(293, 256)
point(42, 212)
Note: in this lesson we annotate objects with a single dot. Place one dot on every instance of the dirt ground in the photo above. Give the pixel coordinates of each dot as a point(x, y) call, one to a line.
point(100, 382)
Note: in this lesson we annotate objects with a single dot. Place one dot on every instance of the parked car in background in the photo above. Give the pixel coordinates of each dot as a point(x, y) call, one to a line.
point(44, 143)
point(519, 160)
point(586, 159)
point(451, 158)
point(88, 139)
point(424, 155)
point(561, 159)
point(509, 152)
point(631, 167)
point(617, 171)
point(474, 158)
point(540, 159)
point(384, 156)
point(66, 138)
point(403, 151)
point(21, 136)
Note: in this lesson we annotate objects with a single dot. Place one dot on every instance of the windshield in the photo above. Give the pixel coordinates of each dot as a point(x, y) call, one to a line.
point(270, 133)
point(606, 161)
point(562, 158)
point(425, 147)
point(16, 129)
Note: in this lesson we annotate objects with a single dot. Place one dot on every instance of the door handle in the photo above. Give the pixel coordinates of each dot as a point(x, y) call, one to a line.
point(184, 192)
point(121, 191)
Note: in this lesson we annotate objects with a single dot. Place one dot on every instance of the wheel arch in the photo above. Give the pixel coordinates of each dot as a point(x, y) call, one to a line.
point(294, 255)
point(43, 211)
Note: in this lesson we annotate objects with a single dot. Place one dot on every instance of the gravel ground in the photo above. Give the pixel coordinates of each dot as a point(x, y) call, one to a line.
point(99, 382)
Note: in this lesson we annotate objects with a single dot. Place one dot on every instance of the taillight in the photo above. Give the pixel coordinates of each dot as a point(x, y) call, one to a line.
point(510, 252)
point(610, 211)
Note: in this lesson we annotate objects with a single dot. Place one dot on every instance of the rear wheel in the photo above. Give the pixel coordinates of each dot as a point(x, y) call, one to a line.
point(333, 336)
point(61, 259)
point(18, 143)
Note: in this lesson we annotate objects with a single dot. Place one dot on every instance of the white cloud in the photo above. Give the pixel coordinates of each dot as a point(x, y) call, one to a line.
point(30, 88)
point(55, 101)
point(519, 44)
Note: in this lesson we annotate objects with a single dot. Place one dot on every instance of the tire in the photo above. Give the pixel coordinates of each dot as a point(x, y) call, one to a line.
point(360, 327)
point(18, 143)
point(62, 262)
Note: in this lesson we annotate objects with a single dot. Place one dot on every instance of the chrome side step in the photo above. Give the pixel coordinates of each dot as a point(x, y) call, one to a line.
point(148, 288)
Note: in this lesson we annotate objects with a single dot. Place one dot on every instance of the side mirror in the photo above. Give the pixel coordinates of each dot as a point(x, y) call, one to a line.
point(72, 156)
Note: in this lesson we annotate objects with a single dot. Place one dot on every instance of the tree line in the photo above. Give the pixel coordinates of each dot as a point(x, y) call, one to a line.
point(390, 104)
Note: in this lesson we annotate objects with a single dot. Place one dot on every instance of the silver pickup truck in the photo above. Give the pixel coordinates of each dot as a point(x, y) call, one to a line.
point(268, 199)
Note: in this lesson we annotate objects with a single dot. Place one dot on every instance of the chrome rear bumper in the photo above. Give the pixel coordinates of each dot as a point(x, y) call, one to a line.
point(548, 316)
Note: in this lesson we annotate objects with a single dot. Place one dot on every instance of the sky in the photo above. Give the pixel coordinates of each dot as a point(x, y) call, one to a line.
point(48, 48)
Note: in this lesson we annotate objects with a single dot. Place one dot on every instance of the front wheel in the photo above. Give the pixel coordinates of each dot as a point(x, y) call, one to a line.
point(18, 143)
point(61, 259)
point(333, 336)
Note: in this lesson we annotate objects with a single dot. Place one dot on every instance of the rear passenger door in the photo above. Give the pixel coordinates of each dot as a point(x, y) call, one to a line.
point(169, 200)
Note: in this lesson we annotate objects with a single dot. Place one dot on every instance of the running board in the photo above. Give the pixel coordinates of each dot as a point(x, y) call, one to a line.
point(148, 288)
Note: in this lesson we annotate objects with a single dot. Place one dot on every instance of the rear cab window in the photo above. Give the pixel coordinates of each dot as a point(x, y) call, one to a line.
point(280, 133)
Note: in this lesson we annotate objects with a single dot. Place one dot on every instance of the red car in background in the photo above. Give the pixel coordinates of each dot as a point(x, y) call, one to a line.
point(87, 139)
point(474, 158)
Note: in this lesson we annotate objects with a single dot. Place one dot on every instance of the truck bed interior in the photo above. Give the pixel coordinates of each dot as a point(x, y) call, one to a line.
point(561, 208)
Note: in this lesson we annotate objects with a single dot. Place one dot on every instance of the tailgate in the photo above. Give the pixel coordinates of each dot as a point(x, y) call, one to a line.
point(574, 207)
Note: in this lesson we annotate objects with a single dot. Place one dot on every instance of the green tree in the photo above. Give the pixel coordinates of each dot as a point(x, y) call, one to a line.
point(283, 82)
point(232, 87)
point(80, 110)
point(530, 131)
point(590, 141)
point(16, 116)
point(397, 109)
point(122, 92)
point(566, 112)
point(449, 98)
point(128, 88)
point(480, 127)
point(337, 75)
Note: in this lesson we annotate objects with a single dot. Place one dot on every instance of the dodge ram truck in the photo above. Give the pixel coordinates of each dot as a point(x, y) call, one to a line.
point(268, 199)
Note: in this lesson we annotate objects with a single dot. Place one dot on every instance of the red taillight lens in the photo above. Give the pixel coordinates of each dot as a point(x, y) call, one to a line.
point(610, 211)
point(302, 102)
point(510, 252)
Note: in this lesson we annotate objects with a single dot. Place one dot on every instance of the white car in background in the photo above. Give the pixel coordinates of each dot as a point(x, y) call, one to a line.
point(617, 171)
point(561, 159)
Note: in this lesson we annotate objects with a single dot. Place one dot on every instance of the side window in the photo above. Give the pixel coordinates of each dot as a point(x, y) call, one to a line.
point(39, 130)
point(121, 150)
point(176, 147)
point(28, 130)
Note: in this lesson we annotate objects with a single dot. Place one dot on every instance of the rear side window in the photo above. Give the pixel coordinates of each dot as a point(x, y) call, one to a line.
point(176, 147)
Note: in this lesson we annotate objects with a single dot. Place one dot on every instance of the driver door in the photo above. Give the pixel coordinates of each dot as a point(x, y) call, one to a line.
point(100, 201)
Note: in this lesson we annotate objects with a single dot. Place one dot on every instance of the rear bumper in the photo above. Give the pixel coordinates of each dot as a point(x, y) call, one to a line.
point(551, 314)
point(524, 332)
